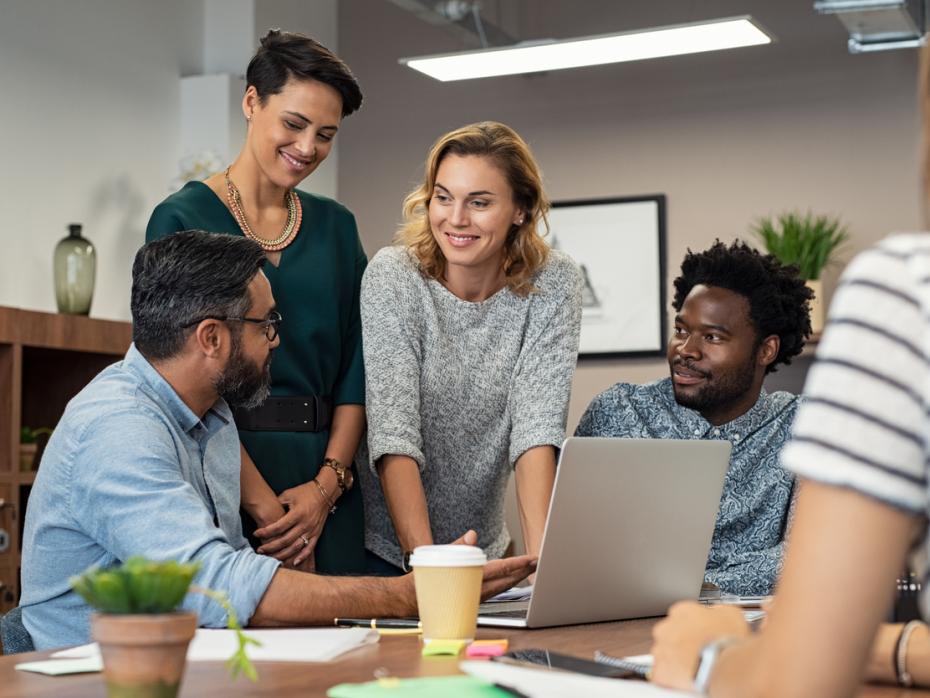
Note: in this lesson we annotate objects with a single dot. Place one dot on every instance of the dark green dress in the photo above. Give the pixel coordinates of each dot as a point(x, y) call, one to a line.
point(316, 288)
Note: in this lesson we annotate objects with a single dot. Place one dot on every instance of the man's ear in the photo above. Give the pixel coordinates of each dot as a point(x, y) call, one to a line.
point(768, 350)
point(209, 337)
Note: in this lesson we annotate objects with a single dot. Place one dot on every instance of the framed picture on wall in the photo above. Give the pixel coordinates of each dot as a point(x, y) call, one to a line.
point(619, 244)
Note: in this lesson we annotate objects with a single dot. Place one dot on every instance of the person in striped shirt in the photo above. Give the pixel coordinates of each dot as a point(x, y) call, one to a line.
point(860, 445)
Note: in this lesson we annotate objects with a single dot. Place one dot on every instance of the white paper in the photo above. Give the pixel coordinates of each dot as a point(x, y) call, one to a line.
point(513, 594)
point(278, 645)
point(542, 683)
point(60, 667)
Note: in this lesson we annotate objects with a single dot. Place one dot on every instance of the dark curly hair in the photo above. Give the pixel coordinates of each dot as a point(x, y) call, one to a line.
point(779, 300)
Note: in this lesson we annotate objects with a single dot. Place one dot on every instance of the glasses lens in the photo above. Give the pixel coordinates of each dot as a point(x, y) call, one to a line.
point(271, 329)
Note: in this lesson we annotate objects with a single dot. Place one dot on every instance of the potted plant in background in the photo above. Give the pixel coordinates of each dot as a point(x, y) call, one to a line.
point(29, 446)
point(142, 635)
point(807, 241)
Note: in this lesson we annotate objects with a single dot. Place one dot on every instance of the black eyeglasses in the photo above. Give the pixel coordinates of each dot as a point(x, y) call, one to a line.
point(270, 323)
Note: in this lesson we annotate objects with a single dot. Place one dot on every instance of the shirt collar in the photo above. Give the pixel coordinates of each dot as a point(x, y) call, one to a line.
point(174, 405)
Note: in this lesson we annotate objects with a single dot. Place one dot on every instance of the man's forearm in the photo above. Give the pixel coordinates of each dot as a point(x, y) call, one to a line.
point(297, 598)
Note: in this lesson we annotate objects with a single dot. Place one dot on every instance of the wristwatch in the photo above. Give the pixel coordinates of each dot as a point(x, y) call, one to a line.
point(709, 656)
point(405, 565)
point(345, 478)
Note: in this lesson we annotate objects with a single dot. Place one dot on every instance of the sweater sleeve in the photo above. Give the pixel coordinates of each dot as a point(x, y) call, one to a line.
point(392, 359)
point(542, 383)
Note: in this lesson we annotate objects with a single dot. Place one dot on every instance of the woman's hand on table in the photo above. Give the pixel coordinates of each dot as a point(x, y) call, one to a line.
point(293, 537)
point(680, 637)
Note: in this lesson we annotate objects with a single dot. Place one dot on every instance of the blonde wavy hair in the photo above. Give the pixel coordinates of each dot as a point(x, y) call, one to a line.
point(525, 251)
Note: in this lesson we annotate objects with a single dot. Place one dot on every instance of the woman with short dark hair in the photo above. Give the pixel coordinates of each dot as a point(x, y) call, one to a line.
point(297, 478)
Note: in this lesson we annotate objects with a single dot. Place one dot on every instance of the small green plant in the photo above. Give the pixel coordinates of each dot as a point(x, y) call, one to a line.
point(806, 240)
point(28, 435)
point(143, 586)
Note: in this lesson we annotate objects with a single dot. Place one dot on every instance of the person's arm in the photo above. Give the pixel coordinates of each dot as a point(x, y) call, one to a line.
point(406, 500)
point(128, 493)
point(392, 372)
point(257, 498)
point(837, 584)
point(539, 395)
point(535, 475)
point(881, 666)
point(295, 598)
point(293, 536)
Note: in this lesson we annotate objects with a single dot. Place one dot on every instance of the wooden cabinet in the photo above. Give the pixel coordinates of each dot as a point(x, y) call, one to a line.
point(45, 359)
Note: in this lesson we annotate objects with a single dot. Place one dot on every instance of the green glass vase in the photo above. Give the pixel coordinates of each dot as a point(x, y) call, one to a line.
point(75, 272)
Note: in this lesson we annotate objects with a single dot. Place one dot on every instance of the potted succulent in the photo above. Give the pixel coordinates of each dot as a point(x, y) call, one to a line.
point(29, 446)
point(143, 638)
point(808, 242)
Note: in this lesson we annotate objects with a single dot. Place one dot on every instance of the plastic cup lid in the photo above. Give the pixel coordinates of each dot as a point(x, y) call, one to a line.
point(447, 556)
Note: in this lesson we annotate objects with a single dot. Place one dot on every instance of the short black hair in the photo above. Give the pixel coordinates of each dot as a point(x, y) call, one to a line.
point(285, 55)
point(186, 277)
point(779, 300)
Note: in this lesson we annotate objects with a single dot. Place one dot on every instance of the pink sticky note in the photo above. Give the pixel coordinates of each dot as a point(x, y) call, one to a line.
point(486, 648)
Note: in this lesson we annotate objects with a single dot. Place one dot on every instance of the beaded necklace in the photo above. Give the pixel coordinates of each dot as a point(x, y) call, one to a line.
point(291, 227)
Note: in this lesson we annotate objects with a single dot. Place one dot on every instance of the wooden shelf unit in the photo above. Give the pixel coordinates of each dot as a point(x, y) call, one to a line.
point(45, 359)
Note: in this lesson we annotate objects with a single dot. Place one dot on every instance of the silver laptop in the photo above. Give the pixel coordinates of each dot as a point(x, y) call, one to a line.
point(628, 532)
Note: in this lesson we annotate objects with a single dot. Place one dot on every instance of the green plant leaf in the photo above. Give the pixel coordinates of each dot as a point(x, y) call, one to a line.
point(806, 241)
point(239, 662)
point(143, 586)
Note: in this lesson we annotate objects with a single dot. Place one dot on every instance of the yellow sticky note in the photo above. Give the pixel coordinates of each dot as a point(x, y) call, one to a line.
point(439, 647)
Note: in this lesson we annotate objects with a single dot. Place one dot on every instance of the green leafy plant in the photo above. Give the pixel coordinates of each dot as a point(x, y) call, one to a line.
point(143, 586)
point(28, 435)
point(806, 240)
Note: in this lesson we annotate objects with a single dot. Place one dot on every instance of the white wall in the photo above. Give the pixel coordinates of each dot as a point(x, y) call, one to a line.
point(89, 134)
point(727, 136)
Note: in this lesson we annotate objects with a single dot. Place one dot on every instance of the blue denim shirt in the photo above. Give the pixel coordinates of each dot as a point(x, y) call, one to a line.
point(747, 546)
point(131, 470)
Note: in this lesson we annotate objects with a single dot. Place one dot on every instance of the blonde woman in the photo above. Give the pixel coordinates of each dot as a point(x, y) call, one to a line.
point(470, 333)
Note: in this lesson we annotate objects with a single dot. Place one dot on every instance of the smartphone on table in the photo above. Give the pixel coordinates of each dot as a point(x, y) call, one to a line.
point(564, 662)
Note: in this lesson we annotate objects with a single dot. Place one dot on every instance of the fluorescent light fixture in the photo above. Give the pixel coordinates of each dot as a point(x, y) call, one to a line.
point(535, 57)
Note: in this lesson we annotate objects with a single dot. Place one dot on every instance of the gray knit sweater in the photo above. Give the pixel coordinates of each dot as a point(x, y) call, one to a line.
point(462, 388)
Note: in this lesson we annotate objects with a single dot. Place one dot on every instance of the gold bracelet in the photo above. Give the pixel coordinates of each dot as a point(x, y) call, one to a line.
point(329, 502)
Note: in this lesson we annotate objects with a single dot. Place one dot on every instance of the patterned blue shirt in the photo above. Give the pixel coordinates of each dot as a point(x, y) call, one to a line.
point(131, 470)
point(746, 550)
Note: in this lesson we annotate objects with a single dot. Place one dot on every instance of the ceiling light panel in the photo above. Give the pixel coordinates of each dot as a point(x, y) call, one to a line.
point(639, 45)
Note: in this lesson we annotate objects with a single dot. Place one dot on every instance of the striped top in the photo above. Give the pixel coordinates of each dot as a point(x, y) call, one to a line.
point(866, 421)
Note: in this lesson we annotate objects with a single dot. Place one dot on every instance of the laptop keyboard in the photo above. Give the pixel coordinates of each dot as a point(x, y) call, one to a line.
point(516, 613)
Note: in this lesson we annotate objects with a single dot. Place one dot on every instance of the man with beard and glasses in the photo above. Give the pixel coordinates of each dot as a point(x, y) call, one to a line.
point(146, 461)
point(739, 314)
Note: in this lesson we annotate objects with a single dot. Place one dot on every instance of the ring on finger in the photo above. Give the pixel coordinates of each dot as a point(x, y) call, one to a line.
point(303, 537)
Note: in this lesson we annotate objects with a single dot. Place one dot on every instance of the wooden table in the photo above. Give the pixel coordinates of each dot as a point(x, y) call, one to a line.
point(400, 656)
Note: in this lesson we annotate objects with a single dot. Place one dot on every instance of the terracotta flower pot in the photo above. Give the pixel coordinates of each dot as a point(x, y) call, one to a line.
point(143, 655)
point(27, 457)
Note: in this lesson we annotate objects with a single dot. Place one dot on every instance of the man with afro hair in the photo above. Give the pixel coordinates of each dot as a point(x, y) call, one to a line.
point(739, 314)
